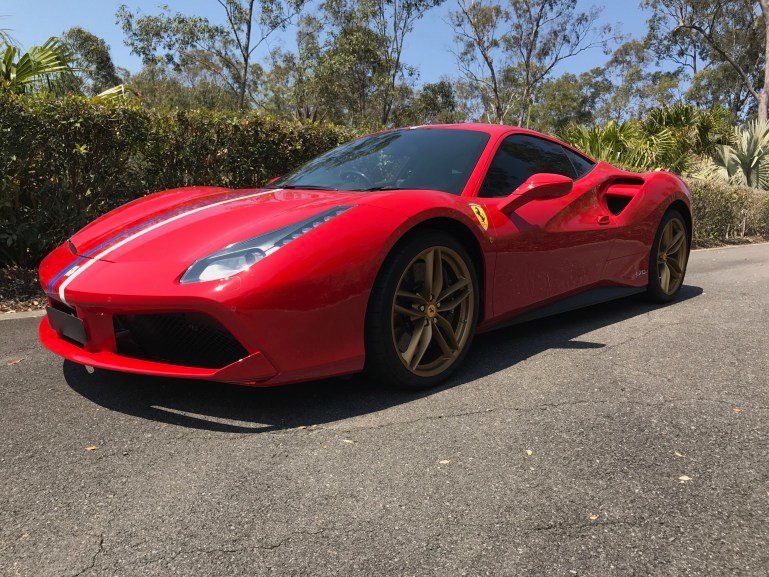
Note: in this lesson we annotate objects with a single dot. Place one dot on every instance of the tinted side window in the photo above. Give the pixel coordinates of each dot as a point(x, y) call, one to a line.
point(581, 164)
point(518, 158)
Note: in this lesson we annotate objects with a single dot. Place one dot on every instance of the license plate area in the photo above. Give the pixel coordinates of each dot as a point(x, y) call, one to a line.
point(67, 325)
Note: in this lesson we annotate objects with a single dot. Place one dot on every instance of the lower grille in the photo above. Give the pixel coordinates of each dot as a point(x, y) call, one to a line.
point(189, 339)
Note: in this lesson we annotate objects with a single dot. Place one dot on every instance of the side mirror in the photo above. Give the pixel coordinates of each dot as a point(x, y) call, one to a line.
point(540, 186)
point(273, 179)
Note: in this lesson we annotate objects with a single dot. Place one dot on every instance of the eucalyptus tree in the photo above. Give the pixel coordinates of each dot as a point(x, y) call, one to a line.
point(337, 73)
point(348, 65)
point(162, 88)
point(291, 86)
point(384, 27)
point(722, 44)
point(394, 20)
point(634, 84)
point(481, 56)
point(544, 33)
point(226, 51)
point(507, 49)
point(91, 57)
point(568, 99)
point(353, 74)
point(432, 103)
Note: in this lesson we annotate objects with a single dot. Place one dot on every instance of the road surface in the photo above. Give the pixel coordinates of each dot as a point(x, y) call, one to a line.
point(624, 439)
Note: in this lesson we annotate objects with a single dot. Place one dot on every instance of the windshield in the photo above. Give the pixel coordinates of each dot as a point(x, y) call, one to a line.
point(424, 158)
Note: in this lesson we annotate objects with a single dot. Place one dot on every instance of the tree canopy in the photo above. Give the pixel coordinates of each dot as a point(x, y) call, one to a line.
point(347, 64)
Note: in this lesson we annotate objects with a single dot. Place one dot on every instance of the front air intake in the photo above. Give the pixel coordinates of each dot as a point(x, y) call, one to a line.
point(188, 339)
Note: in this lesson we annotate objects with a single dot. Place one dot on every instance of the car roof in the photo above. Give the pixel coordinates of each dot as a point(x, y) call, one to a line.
point(492, 129)
point(501, 129)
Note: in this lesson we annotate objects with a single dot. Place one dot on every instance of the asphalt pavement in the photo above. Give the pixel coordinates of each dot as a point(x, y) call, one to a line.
point(624, 439)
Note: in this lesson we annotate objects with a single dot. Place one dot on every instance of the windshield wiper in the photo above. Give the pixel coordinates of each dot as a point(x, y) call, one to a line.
point(303, 186)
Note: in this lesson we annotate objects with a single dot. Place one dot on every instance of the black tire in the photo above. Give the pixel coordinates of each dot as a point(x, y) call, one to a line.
point(654, 289)
point(383, 360)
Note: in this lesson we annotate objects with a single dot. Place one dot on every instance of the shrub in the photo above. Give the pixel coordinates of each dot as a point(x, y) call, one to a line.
point(759, 214)
point(65, 161)
point(723, 211)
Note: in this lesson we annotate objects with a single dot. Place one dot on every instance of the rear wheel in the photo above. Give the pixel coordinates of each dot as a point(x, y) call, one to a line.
point(669, 257)
point(423, 312)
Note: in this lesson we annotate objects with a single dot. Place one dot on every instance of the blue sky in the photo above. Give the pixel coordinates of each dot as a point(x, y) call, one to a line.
point(33, 21)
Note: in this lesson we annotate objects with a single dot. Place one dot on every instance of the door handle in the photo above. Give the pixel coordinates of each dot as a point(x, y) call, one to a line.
point(603, 219)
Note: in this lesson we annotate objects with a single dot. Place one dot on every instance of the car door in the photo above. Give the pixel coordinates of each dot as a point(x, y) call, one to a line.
point(545, 248)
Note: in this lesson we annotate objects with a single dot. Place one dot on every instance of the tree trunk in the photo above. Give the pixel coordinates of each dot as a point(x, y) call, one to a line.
point(246, 56)
point(759, 95)
point(499, 110)
point(763, 100)
point(242, 87)
point(386, 111)
point(524, 105)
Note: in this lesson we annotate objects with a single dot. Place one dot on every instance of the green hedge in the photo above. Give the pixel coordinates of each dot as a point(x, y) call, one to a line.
point(65, 161)
point(723, 212)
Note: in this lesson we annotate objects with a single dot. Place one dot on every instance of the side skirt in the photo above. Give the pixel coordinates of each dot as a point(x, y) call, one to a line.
point(581, 300)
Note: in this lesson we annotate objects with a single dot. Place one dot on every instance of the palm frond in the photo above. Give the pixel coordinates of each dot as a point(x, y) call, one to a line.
point(743, 162)
point(626, 144)
point(39, 67)
point(5, 38)
point(709, 170)
point(119, 92)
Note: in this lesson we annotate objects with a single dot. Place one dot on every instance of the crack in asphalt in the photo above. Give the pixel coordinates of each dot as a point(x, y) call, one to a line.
point(278, 430)
point(564, 527)
point(92, 564)
point(643, 335)
point(540, 407)
point(236, 548)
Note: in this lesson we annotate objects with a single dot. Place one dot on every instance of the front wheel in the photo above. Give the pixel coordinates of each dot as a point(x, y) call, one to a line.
point(423, 312)
point(669, 257)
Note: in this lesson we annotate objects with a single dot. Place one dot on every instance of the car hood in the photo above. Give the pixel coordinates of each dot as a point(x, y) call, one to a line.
point(184, 224)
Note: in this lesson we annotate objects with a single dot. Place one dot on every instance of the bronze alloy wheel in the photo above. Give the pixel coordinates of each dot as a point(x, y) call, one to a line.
point(671, 256)
point(432, 311)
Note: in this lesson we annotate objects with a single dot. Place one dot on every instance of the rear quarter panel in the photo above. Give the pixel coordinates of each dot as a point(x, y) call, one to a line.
point(637, 225)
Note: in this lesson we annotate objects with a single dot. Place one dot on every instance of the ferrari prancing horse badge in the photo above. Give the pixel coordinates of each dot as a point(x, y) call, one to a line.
point(480, 214)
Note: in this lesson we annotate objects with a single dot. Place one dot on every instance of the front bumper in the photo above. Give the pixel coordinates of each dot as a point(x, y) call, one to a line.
point(100, 350)
point(298, 317)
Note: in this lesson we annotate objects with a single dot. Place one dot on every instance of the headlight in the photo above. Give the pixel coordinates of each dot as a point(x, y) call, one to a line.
point(241, 256)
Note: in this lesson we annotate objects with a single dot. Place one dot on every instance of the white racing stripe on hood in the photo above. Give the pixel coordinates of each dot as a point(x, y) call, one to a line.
point(76, 272)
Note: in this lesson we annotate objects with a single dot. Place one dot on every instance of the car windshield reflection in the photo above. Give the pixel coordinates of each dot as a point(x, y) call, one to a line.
point(405, 159)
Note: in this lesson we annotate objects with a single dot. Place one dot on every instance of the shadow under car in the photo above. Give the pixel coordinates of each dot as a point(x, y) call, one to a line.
point(238, 409)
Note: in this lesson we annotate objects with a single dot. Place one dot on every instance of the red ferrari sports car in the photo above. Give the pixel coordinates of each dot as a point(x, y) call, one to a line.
point(386, 254)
